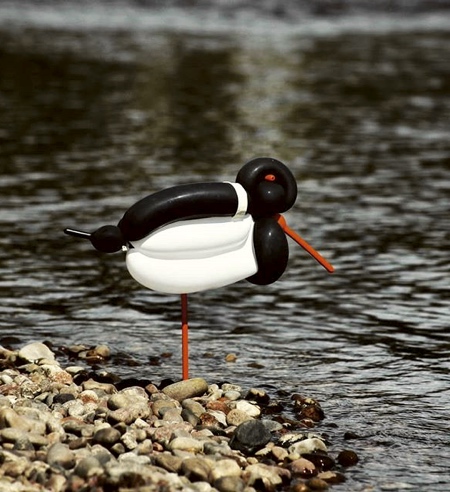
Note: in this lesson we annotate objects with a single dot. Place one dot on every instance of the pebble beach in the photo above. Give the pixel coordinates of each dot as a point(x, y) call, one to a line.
point(76, 429)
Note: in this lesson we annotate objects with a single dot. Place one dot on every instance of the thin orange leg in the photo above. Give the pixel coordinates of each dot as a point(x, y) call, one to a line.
point(184, 337)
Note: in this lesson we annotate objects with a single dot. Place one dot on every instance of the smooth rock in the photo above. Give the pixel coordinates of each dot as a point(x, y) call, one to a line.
point(107, 436)
point(232, 395)
point(248, 408)
point(236, 417)
point(250, 436)
point(36, 351)
point(11, 434)
point(88, 467)
point(303, 467)
point(188, 388)
point(258, 395)
point(230, 484)
point(60, 454)
point(172, 415)
point(102, 351)
point(272, 425)
point(186, 444)
point(189, 417)
point(225, 468)
point(317, 484)
point(168, 461)
point(129, 414)
point(307, 445)
point(159, 406)
point(10, 418)
point(260, 472)
point(279, 453)
point(194, 406)
point(196, 469)
point(347, 458)
point(106, 388)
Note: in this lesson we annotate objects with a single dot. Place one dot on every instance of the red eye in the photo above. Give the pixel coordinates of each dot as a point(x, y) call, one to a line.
point(269, 177)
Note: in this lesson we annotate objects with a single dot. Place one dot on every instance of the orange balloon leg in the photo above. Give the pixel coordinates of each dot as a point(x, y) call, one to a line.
point(184, 337)
point(307, 247)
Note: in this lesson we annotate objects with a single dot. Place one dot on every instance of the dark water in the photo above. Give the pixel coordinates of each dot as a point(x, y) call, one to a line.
point(101, 107)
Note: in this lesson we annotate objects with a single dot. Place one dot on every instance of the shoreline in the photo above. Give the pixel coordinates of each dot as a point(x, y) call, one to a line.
point(65, 429)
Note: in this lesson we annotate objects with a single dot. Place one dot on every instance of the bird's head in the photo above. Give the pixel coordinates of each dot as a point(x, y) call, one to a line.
point(270, 185)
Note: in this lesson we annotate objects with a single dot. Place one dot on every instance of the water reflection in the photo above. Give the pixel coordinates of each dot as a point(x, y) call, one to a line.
point(94, 120)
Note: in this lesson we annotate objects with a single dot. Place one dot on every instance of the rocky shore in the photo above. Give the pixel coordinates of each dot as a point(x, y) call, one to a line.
point(71, 429)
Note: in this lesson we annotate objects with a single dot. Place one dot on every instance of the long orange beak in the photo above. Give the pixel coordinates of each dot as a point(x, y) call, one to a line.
point(307, 247)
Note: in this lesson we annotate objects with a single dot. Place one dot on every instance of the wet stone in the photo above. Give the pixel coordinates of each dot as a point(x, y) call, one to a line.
point(307, 445)
point(303, 467)
point(347, 458)
point(259, 395)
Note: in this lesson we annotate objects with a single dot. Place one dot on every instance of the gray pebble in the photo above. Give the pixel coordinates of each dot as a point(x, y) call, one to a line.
point(107, 436)
point(189, 417)
point(272, 425)
point(172, 415)
point(196, 469)
point(229, 484)
point(250, 436)
point(88, 466)
point(186, 444)
point(129, 414)
point(225, 468)
point(60, 454)
point(194, 406)
point(168, 461)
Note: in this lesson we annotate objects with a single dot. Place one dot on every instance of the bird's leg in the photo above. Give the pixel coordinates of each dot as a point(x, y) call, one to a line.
point(184, 337)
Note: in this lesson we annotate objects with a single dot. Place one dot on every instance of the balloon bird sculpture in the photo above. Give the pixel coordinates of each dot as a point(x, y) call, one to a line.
point(195, 237)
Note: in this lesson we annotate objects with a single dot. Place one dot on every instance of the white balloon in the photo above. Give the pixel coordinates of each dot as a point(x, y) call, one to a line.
point(179, 258)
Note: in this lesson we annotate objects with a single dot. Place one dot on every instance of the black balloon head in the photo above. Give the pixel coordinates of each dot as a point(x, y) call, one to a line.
point(270, 185)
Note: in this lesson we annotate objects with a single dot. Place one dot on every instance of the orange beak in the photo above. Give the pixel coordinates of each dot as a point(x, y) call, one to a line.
point(308, 248)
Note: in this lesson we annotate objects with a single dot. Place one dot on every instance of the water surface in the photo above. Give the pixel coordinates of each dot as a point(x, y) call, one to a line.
point(97, 114)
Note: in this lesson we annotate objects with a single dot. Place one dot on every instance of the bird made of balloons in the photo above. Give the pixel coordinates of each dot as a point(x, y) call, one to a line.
point(196, 237)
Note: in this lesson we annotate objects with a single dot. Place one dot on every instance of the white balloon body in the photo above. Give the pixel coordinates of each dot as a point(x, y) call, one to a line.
point(194, 255)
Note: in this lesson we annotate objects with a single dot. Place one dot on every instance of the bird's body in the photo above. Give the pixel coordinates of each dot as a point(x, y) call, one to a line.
point(191, 238)
point(194, 255)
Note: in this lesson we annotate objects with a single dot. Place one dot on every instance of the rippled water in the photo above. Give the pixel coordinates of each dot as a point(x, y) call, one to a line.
point(99, 110)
